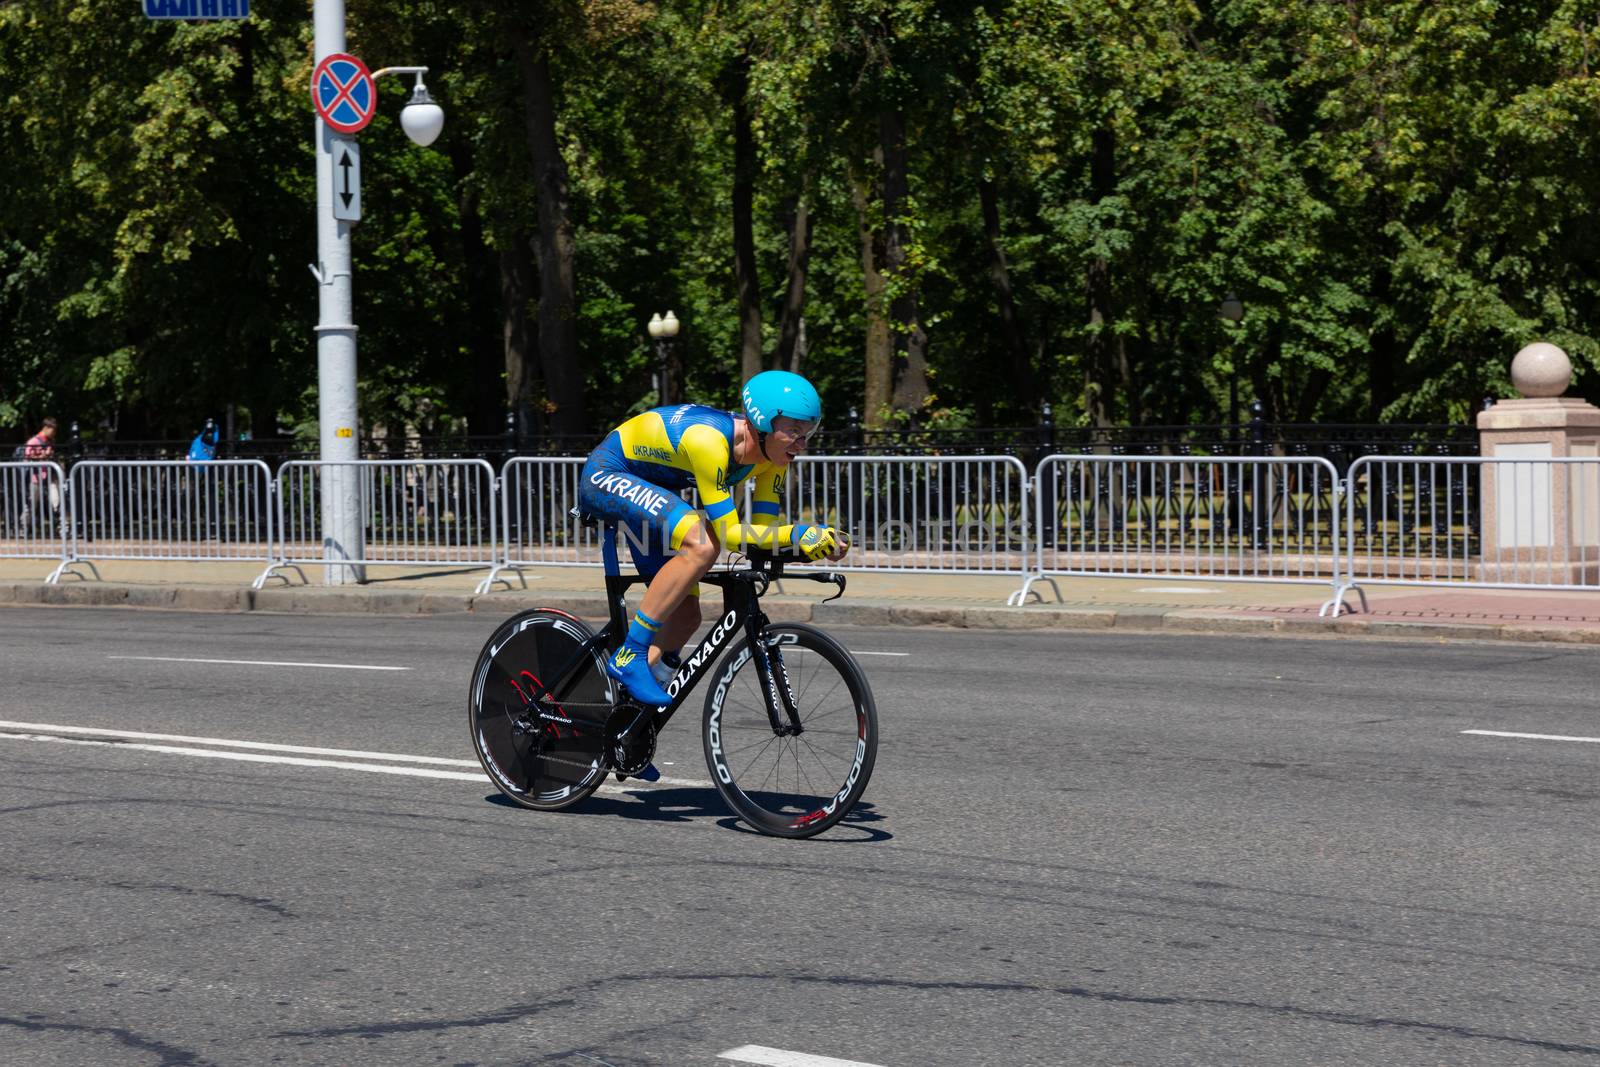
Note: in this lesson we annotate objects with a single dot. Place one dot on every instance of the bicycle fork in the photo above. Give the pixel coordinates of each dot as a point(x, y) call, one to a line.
point(774, 676)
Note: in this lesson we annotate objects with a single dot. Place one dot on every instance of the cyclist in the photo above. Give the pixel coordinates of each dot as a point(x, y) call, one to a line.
point(635, 475)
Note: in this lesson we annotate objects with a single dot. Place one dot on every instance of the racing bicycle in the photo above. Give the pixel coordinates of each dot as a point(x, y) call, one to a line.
point(790, 729)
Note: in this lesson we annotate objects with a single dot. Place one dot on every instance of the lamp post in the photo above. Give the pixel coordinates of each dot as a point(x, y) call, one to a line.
point(422, 120)
point(662, 330)
point(1232, 310)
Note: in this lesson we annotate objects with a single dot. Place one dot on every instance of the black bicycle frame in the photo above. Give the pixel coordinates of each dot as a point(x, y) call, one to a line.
point(742, 610)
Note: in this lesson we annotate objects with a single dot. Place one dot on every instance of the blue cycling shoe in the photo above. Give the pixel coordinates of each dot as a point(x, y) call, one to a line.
point(630, 666)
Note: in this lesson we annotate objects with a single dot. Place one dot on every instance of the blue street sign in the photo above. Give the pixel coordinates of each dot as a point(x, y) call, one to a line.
point(197, 9)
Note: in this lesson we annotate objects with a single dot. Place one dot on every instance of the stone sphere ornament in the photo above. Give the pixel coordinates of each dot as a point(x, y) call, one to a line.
point(1541, 370)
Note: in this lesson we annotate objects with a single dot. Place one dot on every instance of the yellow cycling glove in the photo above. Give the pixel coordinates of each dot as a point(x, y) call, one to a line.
point(818, 542)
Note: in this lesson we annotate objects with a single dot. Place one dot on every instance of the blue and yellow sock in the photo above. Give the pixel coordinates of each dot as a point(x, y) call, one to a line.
point(642, 630)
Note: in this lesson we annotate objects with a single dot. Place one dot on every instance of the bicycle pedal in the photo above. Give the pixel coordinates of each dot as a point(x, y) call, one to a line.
point(649, 774)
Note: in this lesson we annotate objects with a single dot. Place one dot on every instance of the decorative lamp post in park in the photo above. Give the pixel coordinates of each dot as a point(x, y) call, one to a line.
point(345, 98)
point(662, 331)
point(1232, 309)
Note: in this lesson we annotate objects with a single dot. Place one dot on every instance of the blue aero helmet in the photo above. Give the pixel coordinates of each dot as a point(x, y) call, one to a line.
point(779, 392)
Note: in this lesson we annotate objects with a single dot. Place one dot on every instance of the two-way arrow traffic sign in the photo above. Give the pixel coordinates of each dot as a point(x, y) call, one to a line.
point(346, 160)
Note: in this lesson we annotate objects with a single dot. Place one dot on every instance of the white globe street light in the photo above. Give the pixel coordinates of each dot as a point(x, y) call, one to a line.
point(663, 327)
point(662, 330)
point(421, 118)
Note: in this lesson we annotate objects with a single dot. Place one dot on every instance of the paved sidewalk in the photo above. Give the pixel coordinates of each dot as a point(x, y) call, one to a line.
point(872, 599)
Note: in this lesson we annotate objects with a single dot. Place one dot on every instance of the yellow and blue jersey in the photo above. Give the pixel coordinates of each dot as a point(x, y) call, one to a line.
point(636, 473)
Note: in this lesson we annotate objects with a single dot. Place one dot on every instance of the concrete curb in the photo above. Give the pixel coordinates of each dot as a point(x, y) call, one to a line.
point(1419, 631)
point(1200, 622)
point(319, 600)
point(365, 600)
point(1569, 636)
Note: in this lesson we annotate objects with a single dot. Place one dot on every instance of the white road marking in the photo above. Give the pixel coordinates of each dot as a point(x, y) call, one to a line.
point(89, 735)
point(1531, 737)
point(858, 652)
point(267, 746)
point(633, 784)
point(636, 783)
point(777, 1057)
point(257, 757)
point(264, 663)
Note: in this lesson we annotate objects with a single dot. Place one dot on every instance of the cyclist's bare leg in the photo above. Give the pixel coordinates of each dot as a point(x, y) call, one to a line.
point(677, 628)
point(668, 591)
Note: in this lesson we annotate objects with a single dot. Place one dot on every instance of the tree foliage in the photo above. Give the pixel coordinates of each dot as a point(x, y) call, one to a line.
point(1039, 200)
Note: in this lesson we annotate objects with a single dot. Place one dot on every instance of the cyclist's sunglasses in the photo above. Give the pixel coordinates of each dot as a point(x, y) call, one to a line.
point(795, 429)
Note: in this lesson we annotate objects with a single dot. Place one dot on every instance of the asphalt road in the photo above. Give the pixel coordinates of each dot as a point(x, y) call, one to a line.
point(1084, 848)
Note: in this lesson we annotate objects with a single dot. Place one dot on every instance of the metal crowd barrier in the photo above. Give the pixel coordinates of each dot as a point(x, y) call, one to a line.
point(954, 514)
point(33, 522)
point(1524, 523)
point(414, 512)
point(218, 510)
point(1485, 522)
point(1220, 519)
point(538, 527)
point(943, 514)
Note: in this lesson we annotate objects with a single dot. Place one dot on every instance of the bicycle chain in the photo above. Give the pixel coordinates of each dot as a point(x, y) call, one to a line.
point(598, 726)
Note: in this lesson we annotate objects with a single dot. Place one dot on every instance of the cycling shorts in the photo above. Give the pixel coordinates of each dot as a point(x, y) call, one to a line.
point(651, 519)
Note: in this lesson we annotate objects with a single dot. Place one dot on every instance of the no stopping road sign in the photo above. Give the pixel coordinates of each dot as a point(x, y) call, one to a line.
point(343, 93)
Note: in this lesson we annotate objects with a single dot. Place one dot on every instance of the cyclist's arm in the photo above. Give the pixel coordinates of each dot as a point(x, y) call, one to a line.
point(813, 541)
point(710, 460)
point(766, 503)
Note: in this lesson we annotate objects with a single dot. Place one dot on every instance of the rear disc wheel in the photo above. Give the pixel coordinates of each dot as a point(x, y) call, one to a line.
point(544, 754)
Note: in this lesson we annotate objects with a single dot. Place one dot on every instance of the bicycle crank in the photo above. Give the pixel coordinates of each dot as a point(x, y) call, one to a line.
point(630, 738)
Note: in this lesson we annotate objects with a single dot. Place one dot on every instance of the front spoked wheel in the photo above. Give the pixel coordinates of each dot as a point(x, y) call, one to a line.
point(542, 751)
point(804, 777)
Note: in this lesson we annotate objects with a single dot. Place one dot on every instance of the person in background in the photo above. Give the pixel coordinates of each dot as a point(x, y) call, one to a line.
point(204, 446)
point(40, 447)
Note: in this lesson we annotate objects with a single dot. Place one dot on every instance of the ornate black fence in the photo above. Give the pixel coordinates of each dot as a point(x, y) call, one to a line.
point(1341, 444)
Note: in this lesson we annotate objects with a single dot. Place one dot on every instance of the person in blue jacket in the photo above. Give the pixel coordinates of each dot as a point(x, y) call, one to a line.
point(204, 445)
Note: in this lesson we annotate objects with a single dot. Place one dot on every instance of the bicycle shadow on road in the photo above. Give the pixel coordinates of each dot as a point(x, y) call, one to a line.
point(682, 804)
